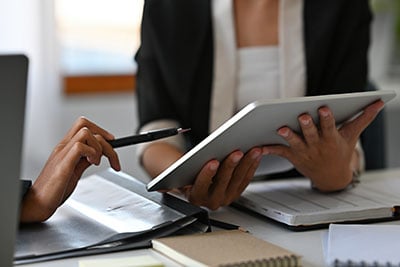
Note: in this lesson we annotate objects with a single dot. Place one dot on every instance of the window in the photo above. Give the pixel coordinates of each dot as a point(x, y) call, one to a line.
point(98, 41)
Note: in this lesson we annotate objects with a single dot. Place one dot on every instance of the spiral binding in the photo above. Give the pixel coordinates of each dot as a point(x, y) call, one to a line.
point(287, 261)
point(350, 263)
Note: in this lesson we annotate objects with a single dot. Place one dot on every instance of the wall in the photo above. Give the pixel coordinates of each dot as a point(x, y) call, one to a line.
point(22, 27)
point(380, 56)
point(28, 26)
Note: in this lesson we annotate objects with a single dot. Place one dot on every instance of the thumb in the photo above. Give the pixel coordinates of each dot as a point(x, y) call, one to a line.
point(352, 130)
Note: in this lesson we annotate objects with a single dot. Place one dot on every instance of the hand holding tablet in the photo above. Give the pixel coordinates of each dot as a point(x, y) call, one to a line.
point(256, 125)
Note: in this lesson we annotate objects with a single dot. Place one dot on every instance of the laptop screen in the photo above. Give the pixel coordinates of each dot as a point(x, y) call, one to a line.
point(13, 82)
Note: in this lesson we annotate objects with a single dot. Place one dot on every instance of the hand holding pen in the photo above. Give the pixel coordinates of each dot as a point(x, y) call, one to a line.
point(146, 137)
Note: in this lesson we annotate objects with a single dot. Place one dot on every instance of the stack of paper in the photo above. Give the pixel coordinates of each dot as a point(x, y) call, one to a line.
point(363, 245)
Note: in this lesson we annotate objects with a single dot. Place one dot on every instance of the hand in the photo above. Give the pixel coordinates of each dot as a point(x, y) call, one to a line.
point(220, 183)
point(326, 154)
point(84, 145)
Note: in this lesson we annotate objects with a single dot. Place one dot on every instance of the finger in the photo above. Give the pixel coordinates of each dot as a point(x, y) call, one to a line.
point(71, 167)
point(109, 152)
point(250, 174)
point(353, 129)
point(78, 157)
point(79, 151)
point(85, 136)
point(223, 178)
point(199, 191)
point(308, 128)
point(281, 151)
point(294, 140)
point(241, 173)
point(84, 122)
point(327, 123)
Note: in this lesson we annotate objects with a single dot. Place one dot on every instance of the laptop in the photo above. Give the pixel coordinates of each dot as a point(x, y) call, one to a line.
point(13, 83)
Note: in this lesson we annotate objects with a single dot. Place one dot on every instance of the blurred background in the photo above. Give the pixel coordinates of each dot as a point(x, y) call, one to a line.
point(81, 63)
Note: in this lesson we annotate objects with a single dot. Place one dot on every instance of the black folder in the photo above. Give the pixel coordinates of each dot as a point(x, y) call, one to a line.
point(109, 211)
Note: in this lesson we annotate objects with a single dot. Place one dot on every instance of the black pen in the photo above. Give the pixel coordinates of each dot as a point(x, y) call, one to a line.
point(146, 137)
point(225, 225)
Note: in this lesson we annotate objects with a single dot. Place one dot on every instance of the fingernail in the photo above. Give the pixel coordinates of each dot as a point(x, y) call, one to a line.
point(237, 158)
point(324, 113)
point(256, 154)
point(214, 166)
point(284, 132)
point(305, 121)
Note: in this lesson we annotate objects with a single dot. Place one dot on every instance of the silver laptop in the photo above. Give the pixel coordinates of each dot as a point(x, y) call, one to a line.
point(13, 81)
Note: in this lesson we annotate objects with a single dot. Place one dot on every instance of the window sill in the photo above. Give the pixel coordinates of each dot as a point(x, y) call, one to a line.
point(97, 83)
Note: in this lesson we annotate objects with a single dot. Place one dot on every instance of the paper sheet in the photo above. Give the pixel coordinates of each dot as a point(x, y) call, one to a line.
point(96, 211)
point(354, 244)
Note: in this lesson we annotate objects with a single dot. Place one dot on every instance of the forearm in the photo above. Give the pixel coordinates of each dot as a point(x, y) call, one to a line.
point(159, 156)
point(33, 209)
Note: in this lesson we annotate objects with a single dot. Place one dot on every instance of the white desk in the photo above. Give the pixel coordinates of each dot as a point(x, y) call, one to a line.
point(306, 243)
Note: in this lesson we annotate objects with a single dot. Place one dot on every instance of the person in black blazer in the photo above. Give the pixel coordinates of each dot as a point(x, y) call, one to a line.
point(187, 67)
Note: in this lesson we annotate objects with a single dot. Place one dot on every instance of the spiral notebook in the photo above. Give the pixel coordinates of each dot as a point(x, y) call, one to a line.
point(225, 248)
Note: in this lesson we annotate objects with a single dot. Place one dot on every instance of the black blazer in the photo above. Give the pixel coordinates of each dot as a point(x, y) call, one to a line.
point(175, 59)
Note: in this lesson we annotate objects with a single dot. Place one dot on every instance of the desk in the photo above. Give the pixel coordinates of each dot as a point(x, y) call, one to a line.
point(306, 243)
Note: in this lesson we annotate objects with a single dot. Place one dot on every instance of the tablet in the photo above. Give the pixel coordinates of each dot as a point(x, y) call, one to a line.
point(256, 125)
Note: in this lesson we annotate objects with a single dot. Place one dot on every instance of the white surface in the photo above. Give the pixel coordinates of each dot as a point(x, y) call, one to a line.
point(308, 243)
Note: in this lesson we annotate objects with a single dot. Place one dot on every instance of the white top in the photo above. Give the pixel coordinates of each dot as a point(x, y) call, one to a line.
point(258, 75)
point(292, 66)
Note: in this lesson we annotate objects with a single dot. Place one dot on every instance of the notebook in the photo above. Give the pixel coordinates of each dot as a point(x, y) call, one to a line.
point(224, 248)
point(256, 125)
point(293, 203)
point(13, 79)
point(363, 245)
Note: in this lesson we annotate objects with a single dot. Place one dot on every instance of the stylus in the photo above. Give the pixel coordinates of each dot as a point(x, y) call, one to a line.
point(146, 137)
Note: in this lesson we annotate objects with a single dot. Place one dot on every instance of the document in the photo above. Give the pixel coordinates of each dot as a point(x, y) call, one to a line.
point(107, 211)
point(293, 202)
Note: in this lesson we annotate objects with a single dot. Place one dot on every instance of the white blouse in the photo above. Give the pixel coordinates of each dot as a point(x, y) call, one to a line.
point(258, 75)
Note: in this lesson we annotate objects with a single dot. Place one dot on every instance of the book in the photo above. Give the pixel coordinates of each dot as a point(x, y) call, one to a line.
point(363, 245)
point(296, 205)
point(108, 211)
point(224, 248)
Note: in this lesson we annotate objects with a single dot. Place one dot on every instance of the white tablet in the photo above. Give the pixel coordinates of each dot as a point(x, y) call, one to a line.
point(256, 125)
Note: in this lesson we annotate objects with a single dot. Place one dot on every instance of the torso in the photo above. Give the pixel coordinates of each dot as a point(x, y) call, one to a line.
point(257, 39)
